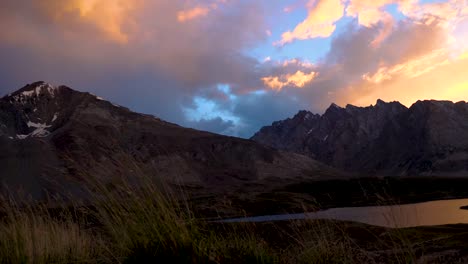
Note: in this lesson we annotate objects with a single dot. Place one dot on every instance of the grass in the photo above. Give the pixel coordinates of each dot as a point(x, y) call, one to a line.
point(30, 235)
point(144, 223)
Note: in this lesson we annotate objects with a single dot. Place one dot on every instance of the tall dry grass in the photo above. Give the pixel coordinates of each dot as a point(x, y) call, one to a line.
point(143, 220)
point(32, 235)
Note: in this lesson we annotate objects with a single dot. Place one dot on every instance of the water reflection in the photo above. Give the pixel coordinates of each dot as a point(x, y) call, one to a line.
point(440, 212)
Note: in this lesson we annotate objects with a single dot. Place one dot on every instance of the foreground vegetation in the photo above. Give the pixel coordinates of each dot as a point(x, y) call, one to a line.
point(124, 223)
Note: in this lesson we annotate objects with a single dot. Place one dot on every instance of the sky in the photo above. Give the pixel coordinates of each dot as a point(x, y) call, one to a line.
point(233, 66)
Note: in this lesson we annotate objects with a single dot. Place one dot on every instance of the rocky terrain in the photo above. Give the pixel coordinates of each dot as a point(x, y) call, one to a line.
point(429, 138)
point(52, 136)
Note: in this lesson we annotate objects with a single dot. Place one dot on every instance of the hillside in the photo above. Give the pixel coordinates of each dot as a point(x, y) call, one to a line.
point(51, 136)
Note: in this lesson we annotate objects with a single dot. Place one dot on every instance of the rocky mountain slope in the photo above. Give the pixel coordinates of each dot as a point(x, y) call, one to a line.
point(429, 138)
point(52, 136)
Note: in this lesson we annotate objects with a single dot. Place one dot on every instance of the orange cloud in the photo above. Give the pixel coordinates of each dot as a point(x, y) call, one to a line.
point(198, 11)
point(319, 22)
point(385, 31)
point(193, 13)
point(298, 79)
point(108, 16)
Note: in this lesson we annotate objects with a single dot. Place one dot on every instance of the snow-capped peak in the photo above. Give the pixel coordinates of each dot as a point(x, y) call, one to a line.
point(40, 88)
point(45, 87)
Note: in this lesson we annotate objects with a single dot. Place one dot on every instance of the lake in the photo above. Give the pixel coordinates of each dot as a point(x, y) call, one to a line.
point(439, 212)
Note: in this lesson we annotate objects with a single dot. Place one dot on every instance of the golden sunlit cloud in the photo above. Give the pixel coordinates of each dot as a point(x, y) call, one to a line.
point(319, 22)
point(368, 12)
point(323, 14)
point(298, 79)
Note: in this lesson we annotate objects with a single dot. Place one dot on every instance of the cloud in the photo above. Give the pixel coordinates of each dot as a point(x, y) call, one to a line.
point(323, 14)
point(319, 22)
point(108, 17)
point(409, 69)
point(142, 54)
point(137, 54)
point(298, 79)
point(294, 73)
point(193, 13)
point(198, 11)
point(409, 64)
point(259, 109)
point(216, 125)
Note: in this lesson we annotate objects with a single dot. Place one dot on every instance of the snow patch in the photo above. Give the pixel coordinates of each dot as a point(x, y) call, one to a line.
point(55, 117)
point(310, 131)
point(325, 138)
point(39, 131)
point(30, 93)
point(37, 125)
point(102, 99)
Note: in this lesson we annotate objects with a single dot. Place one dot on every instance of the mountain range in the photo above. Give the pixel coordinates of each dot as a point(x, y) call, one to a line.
point(52, 136)
point(428, 138)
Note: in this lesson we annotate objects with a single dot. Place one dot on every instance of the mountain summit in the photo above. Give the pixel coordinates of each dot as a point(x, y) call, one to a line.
point(51, 134)
point(429, 138)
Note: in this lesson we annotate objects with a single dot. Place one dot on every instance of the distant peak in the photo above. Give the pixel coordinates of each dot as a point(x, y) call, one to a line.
point(302, 112)
point(334, 109)
point(437, 103)
point(393, 105)
point(380, 102)
point(350, 106)
point(335, 106)
point(38, 83)
point(305, 115)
